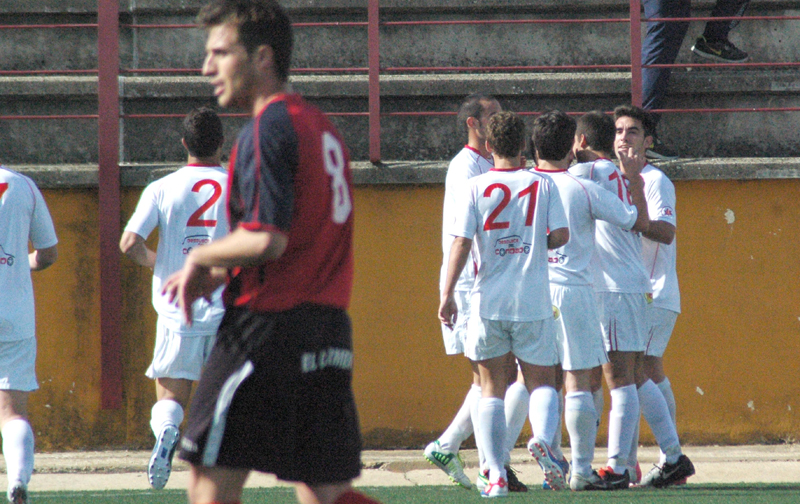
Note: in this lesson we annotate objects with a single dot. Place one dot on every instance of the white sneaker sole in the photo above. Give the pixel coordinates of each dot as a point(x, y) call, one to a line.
point(160, 466)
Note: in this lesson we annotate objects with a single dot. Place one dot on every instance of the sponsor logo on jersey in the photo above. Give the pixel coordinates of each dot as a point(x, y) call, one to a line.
point(555, 258)
point(511, 245)
point(6, 259)
point(193, 241)
point(666, 212)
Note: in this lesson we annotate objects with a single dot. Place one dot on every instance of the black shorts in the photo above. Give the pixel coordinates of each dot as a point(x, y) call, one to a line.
point(276, 397)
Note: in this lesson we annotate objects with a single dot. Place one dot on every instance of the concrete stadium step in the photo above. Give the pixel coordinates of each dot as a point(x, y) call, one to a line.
point(401, 45)
point(404, 137)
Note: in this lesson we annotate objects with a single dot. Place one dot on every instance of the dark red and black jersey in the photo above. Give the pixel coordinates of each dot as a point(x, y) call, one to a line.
point(290, 173)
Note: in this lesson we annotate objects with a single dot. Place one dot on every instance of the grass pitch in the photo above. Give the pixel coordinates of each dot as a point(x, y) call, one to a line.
point(689, 494)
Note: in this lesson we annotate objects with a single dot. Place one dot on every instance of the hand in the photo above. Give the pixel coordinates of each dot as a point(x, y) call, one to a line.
point(631, 163)
point(187, 285)
point(448, 311)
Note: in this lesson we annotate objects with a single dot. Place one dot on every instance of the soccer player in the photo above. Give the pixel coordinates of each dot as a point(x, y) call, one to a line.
point(507, 213)
point(659, 255)
point(188, 208)
point(276, 393)
point(472, 160)
point(24, 219)
point(581, 341)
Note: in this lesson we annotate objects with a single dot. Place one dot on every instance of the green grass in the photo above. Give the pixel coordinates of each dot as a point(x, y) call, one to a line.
point(690, 494)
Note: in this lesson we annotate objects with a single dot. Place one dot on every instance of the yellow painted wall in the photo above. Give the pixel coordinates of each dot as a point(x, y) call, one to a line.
point(732, 360)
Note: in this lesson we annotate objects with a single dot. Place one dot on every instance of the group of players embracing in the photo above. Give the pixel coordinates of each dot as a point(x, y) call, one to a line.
point(554, 277)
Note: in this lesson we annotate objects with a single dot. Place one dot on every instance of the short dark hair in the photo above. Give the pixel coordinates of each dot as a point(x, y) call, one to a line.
point(553, 135)
point(202, 132)
point(639, 114)
point(258, 22)
point(598, 129)
point(472, 106)
point(506, 134)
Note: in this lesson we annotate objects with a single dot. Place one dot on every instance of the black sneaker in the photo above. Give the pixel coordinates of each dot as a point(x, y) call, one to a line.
point(660, 151)
point(613, 480)
point(514, 484)
point(719, 50)
point(669, 474)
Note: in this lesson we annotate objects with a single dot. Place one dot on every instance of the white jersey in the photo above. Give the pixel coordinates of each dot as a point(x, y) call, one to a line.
point(188, 206)
point(659, 259)
point(468, 163)
point(508, 214)
point(617, 262)
point(584, 202)
point(23, 218)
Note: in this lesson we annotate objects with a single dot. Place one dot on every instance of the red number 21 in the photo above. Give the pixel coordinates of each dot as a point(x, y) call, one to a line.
point(532, 190)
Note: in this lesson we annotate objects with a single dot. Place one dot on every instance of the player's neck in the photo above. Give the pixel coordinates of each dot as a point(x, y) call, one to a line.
point(553, 166)
point(478, 145)
point(501, 163)
point(203, 161)
point(268, 93)
point(591, 155)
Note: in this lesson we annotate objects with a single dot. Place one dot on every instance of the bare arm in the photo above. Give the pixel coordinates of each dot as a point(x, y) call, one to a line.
point(661, 232)
point(206, 267)
point(41, 259)
point(557, 238)
point(133, 246)
point(459, 253)
point(631, 164)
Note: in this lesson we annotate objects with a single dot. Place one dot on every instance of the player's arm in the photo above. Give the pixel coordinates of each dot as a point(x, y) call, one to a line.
point(557, 238)
point(43, 258)
point(631, 164)
point(132, 245)
point(206, 267)
point(661, 232)
point(459, 253)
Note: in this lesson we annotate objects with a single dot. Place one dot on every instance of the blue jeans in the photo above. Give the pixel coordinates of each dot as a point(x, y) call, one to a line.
point(663, 41)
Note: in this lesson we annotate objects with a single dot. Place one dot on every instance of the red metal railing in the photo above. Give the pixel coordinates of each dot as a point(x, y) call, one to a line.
point(109, 115)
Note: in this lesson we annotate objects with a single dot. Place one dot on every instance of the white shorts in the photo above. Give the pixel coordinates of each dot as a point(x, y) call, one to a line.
point(454, 338)
point(623, 317)
point(660, 323)
point(580, 337)
point(177, 356)
point(18, 365)
point(532, 342)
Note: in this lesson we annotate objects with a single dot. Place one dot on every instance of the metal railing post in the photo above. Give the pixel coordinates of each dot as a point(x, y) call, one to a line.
point(636, 53)
point(109, 203)
point(373, 39)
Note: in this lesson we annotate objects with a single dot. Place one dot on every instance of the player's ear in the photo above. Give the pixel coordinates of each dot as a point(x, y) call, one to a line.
point(183, 142)
point(648, 141)
point(473, 122)
point(264, 57)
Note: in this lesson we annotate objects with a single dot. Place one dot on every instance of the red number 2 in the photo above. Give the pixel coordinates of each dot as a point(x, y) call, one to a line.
point(531, 190)
point(195, 219)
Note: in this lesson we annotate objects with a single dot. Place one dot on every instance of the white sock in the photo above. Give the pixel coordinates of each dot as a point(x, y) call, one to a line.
point(476, 423)
point(581, 420)
point(461, 426)
point(165, 412)
point(621, 422)
point(666, 390)
point(493, 435)
point(555, 444)
point(599, 403)
point(18, 451)
point(544, 413)
point(656, 412)
point(517, 402)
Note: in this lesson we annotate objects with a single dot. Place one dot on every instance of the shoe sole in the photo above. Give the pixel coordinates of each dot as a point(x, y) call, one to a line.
point(432, 460)
point(19, 495)
point(714, 57)
point(553, 473)
point(160, 465)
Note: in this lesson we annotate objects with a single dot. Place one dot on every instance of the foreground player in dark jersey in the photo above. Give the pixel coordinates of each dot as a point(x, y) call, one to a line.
point(276, 393)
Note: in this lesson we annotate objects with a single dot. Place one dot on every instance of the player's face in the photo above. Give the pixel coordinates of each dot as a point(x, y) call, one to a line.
point(488, 109)
point(630, 135)
point(231, 70)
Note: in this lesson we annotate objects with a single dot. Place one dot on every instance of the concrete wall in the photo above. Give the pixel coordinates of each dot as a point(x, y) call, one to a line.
point(732, 360)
